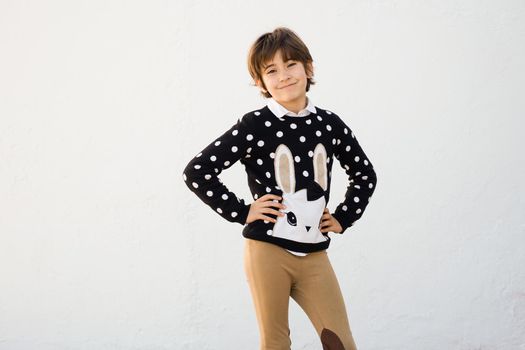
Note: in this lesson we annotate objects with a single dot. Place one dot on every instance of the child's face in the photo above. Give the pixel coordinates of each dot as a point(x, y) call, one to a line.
point(285, 81)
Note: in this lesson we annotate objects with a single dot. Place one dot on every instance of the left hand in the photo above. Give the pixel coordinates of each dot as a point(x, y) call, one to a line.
point(328, 223)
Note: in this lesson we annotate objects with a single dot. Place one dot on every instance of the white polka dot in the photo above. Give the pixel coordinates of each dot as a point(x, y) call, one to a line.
point(209, 193)
point(235, 132)
point(365, 161)
point(267, 123)
point(348, 148)
point(338, 141)
point(370, 185)
point(356, 159)
point(318, 133)
point(352, 133)
point(328, 160)
point(198, 155)
point(197, 166)
point(217, 143)
point(249, 150)
point(249, 137)
point(319, 117)
point(234, 214)
point(216, 170)
point(356, 199)
point(311, 153)
point(334, 141)
point(259, 161)
point(344, 207)
point(308, 122)
point(279, 134)
point(302, 138)
point(226, 163)
point(346, 131)
point(234, 149)
point(328, 112)
point(207, 176)
point(257, 113)
point(268, 189)
point(257, 180)
point(293, 126)
point(357, 186)
point(328, 127)
point(269, 232)
point(364, 177)
point(358, 173)
point(219, 210)
point(297, 159)
point(195, 185)
point(225, 196)
point(266, 221)
point(268, 175)
point(272, 155)
point(256, 196)
point(260, 143)
point(213, 158)
point(358, 211)
point(184, 177)
point(305, 173)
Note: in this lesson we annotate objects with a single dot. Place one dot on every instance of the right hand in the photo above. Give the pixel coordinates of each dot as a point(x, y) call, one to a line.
point(263, 205)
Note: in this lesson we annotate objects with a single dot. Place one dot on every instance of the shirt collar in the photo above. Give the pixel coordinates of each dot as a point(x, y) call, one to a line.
point(280, 111)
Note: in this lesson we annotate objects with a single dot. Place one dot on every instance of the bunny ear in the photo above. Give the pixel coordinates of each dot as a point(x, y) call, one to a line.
point(320, 169)
point(284, 169)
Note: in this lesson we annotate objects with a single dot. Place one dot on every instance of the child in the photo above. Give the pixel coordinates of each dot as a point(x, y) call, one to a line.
point(287, 148)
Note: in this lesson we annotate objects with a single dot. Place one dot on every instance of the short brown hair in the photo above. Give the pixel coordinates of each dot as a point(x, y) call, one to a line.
point(265, 47)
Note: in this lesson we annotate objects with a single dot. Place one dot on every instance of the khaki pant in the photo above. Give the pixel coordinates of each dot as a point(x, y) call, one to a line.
point(274, 275)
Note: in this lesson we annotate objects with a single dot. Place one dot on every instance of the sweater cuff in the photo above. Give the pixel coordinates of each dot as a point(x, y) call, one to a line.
point(243, 214)
point(342, 222)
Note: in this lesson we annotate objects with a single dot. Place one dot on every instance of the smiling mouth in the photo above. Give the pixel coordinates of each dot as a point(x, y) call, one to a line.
point(284, 87)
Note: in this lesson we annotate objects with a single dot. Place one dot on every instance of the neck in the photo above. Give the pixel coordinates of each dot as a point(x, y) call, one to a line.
point(296, 105)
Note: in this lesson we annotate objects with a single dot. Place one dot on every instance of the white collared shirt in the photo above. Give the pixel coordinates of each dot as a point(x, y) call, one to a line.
point(280, 111)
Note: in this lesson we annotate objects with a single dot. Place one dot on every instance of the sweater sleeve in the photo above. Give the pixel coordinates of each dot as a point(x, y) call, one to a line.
point(201, 173)
point(361, 175)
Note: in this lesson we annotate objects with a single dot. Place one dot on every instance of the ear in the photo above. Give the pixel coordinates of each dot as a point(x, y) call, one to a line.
point(284, 169)
point(320, 169)
point(260, 84)
point(309, 70)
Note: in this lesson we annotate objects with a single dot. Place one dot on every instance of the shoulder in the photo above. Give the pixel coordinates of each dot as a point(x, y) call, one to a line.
point(329, 114)
point(257, 117)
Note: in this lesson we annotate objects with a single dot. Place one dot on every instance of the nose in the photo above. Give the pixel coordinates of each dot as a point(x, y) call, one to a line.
point(308, 228)
point(284, 76)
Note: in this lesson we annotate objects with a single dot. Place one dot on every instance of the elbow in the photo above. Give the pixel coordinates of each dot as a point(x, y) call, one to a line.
point(188, 173)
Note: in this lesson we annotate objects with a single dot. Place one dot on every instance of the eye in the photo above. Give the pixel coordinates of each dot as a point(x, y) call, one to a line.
point(290, 217)
point(270, 71)
point(292, 64)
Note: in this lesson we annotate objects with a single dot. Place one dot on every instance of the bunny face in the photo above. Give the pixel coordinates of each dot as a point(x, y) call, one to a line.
point(305, 207)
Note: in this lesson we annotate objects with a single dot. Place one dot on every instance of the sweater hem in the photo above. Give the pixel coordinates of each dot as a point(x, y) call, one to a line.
point(286, 243)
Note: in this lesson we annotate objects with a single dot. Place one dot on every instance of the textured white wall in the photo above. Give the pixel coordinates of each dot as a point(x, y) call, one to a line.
point(102, 103)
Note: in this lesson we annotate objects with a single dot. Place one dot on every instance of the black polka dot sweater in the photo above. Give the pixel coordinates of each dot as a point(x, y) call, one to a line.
point(291, 157)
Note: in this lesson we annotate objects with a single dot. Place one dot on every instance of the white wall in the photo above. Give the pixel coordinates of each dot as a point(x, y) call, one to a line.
point(102, 104)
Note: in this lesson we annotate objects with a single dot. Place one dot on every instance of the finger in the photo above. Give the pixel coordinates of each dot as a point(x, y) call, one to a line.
point(326, 225)
point(268, 197)
point(328, 228)
point(267, 218)
point(272, 211)
point(326, 216)
point(273, 204)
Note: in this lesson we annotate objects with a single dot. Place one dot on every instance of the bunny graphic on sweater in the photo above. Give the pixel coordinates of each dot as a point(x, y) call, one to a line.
point(305, 207)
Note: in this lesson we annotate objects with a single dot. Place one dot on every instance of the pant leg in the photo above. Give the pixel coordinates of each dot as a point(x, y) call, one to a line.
point(318, 293)
point(268, 271)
